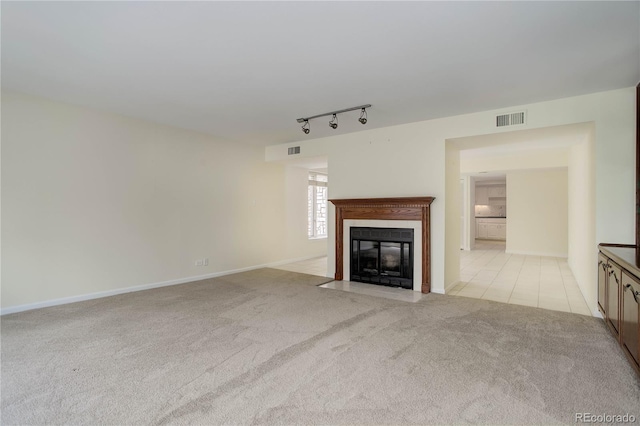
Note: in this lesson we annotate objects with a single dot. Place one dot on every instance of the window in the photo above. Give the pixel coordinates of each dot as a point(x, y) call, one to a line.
point(317, 203)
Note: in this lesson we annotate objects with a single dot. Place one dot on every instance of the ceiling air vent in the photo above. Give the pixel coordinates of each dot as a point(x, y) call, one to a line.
point(294, 150)
point(510, 119)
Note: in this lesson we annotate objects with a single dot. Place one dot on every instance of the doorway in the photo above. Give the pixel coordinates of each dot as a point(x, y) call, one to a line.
point(490, 208)
point(521, 268)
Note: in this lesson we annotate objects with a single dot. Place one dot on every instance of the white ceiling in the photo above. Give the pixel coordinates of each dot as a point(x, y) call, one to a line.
point(244, 71)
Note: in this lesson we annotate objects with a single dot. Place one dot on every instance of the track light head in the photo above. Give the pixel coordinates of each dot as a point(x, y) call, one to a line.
point(306, 128)
point(363, 117)
point(334, 122)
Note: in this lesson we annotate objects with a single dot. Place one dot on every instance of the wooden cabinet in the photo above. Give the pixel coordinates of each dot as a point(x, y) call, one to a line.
point(630, 327)
point(619, 296)
point(603, 267)
point(613, 297)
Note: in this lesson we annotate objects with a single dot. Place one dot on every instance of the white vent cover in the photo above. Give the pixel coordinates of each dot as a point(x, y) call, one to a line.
point(511, 119)
point(294, 150)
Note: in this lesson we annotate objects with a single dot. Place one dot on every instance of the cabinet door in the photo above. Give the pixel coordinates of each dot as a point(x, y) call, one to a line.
point(481, 229)
point(482, 197)
point(613, 295)
point(603, 266)
point(502, 231)
point(493, 231)
point(497, 191)
point(496, 231)
point(630, 324)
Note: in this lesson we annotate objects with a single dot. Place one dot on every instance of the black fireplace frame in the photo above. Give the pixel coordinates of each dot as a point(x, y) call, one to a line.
point(402, 236)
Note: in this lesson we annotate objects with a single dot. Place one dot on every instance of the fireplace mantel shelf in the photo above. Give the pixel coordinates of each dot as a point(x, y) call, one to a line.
point(401, 208)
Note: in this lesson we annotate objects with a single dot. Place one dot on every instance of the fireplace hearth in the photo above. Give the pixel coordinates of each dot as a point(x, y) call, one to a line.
point(382, 256)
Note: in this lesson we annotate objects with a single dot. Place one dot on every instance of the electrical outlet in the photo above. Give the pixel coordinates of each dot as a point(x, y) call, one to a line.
point(199, 262)
point(206, 261)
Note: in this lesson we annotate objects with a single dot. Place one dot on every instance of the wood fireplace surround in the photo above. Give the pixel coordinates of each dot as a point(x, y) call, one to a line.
point(404, 208)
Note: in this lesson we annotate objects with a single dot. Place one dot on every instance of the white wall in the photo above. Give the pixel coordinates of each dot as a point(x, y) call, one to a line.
point(532, 159)
point(538, 212)
point(95, 203)
point(298, 245)
point(471, 213)
point(452, 221)
point(416, 155)
point(403, 150)
point(465, 209)
point(582, 249)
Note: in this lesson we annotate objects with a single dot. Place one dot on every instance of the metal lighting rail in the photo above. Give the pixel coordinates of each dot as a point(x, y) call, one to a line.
point(302, 120)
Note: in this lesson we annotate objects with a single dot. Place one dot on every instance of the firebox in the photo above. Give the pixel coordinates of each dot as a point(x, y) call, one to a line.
point(382, 256)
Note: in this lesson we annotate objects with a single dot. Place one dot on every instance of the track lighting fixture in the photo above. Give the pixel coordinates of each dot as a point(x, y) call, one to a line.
point(334, 122)
point(363, 116)
point(306, 128)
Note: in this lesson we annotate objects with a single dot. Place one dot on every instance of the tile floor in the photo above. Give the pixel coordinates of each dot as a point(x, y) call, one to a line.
point(491, 274)
point(315, 266)
point(544, 282)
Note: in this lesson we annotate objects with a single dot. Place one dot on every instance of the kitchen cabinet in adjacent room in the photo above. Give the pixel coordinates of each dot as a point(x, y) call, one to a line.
point(482, 195)
point(497, 191)
point(491, 228)
point(490, 195)
point(497, 231)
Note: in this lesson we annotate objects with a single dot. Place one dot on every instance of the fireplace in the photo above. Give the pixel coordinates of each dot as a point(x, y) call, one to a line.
point(382, 256)
point(387, 210)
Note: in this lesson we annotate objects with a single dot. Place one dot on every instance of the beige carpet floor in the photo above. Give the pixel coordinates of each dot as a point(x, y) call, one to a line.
point(270, 347)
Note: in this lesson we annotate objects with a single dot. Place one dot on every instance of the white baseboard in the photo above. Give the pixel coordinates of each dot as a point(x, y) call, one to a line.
point(450, 287)
point(536, 253)
point(437, 291)
point(100, 294)
point(284, 262)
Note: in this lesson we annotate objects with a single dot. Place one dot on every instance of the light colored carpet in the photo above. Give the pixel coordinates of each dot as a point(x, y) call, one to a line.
point(269, 347)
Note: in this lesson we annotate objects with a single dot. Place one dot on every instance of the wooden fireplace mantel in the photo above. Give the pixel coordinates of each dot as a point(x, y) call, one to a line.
point(403, 208)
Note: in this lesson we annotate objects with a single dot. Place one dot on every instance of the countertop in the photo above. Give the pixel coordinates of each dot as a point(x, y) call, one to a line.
point(628, 256)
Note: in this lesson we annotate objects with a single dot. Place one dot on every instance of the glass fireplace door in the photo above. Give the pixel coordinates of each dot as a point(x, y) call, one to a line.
point(387, 263)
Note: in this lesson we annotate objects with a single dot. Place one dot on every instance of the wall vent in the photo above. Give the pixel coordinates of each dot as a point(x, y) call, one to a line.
point(294, 150)
point(511, 119)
